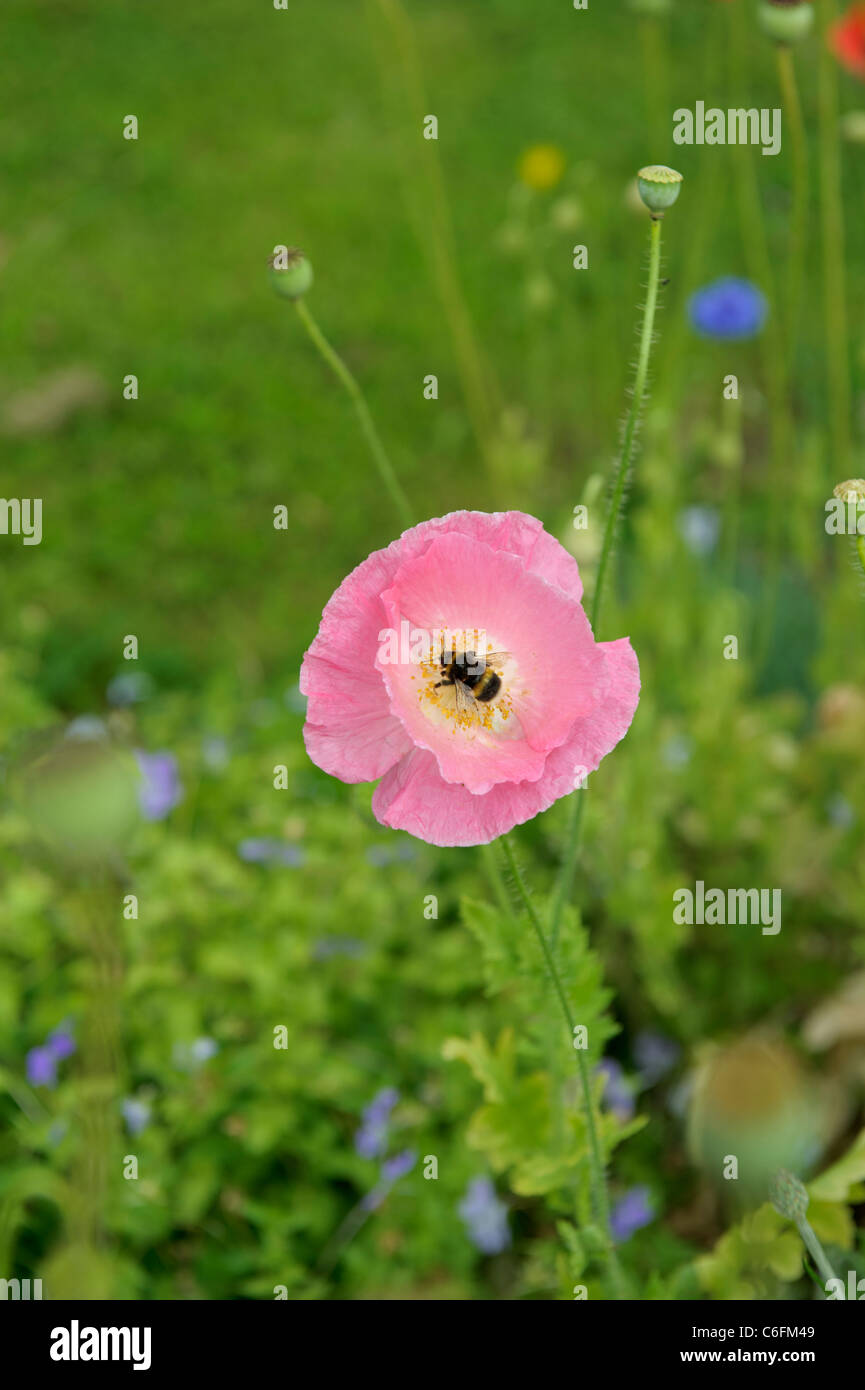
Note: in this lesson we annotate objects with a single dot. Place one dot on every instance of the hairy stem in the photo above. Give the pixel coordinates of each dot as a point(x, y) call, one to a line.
point(370, 433)
point(600, 1199)
point(792, 108)
point(815, 1249)
point(575, 817)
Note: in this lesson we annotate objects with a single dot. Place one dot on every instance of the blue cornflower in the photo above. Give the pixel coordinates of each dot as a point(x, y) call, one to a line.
point(485, 1217)
point(160, 790)
point(728, 308)
point(630, 1214)
point(655, 1055)
point(617, 1094)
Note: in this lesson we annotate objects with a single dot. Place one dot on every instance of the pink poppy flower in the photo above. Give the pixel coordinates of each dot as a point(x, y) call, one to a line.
point(462, 761)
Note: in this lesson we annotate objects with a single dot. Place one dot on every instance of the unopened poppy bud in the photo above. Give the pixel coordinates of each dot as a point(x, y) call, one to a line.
point(658, 187)
point(785, 21)
point(788, 1195)
point(290, 272)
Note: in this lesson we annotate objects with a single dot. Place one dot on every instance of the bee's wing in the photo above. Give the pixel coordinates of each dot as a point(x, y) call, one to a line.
point(464, 699)
point(496, 658)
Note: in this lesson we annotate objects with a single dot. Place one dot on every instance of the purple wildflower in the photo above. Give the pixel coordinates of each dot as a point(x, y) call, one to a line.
point(630, 1214)
point(42, 1061)
point(485, 1217)
point(699, 528)
point(329, 946)
point(130, 688)
point(161, 789)
point(87, 728)
point(41, 1067)
point(266, 851)
point(136, 1113)
point(215, 752)
point(391, 1171)
point(190, 1056)
point(371, 1139)
point(381, 856)
point(617, 1094)
point(61, 1042)
point(395, 1168)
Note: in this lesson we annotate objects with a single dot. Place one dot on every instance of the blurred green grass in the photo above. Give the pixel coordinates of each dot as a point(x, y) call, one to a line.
point(260, 127)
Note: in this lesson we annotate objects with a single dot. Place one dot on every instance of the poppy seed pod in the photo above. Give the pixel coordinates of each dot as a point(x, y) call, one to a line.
point(659, 187)
point(290, 273)
point(854, 488)
point(785, 21)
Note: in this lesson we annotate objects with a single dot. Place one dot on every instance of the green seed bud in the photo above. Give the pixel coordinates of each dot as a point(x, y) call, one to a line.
point(785, 21)
point(788, 1195)
point(290, 272)
point(658, 187)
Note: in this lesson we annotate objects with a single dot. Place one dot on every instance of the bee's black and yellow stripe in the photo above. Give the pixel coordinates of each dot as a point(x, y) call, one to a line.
point(484, 685)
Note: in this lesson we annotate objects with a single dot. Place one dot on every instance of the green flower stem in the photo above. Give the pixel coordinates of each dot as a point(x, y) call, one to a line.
point(376, 448)
point(792, 108)
point(600, 1199)
point(758, 261)
point(654, 47)
point(860, 551)
point(572, 835)
point(832, 224)
point(434, 229)
point(815, 1249)
point(731, 427)
point(494, 874)
point(565, 886)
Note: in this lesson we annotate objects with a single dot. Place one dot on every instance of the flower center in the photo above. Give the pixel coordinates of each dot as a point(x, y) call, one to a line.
point(465, 685)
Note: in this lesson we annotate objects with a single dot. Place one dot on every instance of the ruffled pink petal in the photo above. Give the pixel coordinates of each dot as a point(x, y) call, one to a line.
point(516, 532)
point(458, 584)
point(350, 731)
point(414, 797)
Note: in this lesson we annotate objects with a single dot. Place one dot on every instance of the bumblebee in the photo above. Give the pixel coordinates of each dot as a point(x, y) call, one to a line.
point(471, 677)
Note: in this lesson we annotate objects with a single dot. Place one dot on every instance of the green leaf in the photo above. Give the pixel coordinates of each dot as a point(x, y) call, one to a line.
point(837, 1183)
